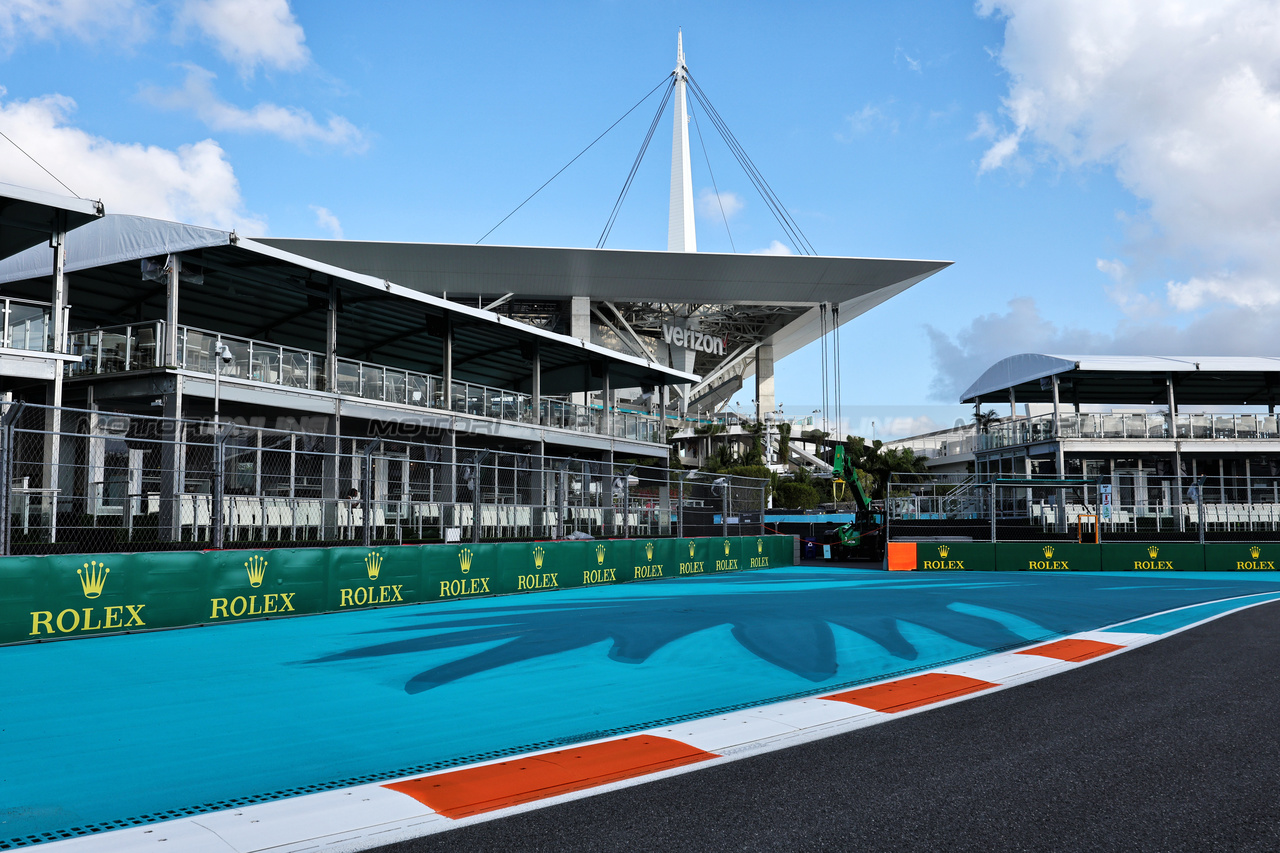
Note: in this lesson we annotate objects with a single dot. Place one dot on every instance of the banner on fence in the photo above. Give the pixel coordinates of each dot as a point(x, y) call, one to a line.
point(51, 597)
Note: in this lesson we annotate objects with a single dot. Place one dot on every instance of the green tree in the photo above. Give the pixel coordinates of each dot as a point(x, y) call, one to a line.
point(986, 420)
point(879, 464)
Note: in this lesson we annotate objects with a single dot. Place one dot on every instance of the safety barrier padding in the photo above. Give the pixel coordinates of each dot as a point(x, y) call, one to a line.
point(54, 597)
point(1086, 557)
point(956, 556)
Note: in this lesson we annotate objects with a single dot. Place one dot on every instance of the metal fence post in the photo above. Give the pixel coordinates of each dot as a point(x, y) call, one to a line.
point(476, 461)
point(217, 487)
point(724, 506)
point(680, 507)
point(993, 511)
point(562, 497)
point(7, 439)
point(764, 503)
point(366, 483)
point(1199, 490)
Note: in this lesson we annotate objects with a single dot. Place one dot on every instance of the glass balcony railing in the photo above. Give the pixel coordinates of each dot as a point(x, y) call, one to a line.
point(26, 325)
point(1132, 426)
point(117, 349)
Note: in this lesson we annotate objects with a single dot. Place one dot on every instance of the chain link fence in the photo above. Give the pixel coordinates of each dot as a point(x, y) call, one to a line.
point(1121, 507)
point(92, 481)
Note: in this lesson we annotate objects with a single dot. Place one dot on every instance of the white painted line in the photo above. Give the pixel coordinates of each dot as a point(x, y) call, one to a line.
point(287, 824)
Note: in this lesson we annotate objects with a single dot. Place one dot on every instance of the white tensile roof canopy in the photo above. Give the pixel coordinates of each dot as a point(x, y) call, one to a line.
point(1129, 379)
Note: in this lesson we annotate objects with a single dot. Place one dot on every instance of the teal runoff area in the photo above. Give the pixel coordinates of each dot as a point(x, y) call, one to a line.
point(156, 725)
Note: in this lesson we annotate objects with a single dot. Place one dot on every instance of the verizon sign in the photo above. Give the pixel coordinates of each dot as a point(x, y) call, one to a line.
point(693, 340)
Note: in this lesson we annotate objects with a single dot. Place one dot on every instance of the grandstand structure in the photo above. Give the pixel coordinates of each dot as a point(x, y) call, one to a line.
point(1165, 447)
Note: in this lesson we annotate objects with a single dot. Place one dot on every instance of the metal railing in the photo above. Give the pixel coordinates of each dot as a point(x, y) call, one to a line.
point(122, 348)
point(89, 481)
point(1115, 507)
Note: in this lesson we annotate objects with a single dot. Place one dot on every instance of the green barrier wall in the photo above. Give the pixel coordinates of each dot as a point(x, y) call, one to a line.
point(1108, 557)
point(1048, 557)
point(66, 596)
point(1153, 557)
point(1242, 557)
point(956, 556)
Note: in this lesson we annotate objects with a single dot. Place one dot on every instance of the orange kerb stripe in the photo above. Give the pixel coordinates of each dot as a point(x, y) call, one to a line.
point(1072, 650)
point(908, 693)
point(902, 556)
point(475, 790)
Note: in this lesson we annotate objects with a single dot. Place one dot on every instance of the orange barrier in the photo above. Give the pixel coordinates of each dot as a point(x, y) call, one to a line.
point(902, 556)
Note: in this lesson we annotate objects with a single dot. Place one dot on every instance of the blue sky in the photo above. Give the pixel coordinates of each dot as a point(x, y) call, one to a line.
point(1102, 172)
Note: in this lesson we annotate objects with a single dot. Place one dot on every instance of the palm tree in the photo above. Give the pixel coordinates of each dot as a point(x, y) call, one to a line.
point(986, 420)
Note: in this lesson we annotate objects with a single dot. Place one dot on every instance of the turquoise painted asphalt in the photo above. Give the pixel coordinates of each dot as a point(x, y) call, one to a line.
point(116, 727)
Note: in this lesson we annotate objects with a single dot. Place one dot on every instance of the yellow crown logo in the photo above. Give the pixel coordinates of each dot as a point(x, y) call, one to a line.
point(600, 549)
point(1255, 551)
point(726, 547)
point(648, 550)
point(464, 559)
point(1153, 551)
point(1048, 550)
point(944, 550)
point(539, 554)
point(373, 564)
point(690, 549)
point(257, 568)
point(759, 546)
point(92, 578)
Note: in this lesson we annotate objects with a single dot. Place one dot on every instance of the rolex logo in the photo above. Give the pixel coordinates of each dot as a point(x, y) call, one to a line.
point(92, 578)
point(539, 554)
point(648, 550)
point(600, 549)
point(373, 564)
point(1048, 551)
point(464, 559)
point(690, 549)
point(944, 550)
point(726, 547)
point(1255, 551)
point(1153, 552)
point(257, 568)
point(759, 546)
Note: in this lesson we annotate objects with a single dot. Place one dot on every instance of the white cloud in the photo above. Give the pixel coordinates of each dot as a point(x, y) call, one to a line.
point(326, 220)
point(194, 183)
point(289, 123)
point(865, 120)
point(122, 22)
point(775, 248)
point(1182, 100)
point(710, 206)
point(913, 64)
point(249, 33)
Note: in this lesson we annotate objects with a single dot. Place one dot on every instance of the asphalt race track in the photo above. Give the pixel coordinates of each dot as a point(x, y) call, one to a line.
point(1174, 746)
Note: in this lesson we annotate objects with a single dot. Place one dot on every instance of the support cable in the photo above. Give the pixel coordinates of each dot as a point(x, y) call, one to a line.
point(835, 363)
point(667, 80)
point(635, 167)
point(712, 173)
point(822, 314)
point(41, 165)
point(766, 191)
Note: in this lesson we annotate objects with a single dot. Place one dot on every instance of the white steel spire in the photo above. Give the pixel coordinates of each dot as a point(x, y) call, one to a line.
point(680, 234)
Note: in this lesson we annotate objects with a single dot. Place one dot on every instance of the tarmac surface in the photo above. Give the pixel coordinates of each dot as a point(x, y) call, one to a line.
point(1174, 746)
